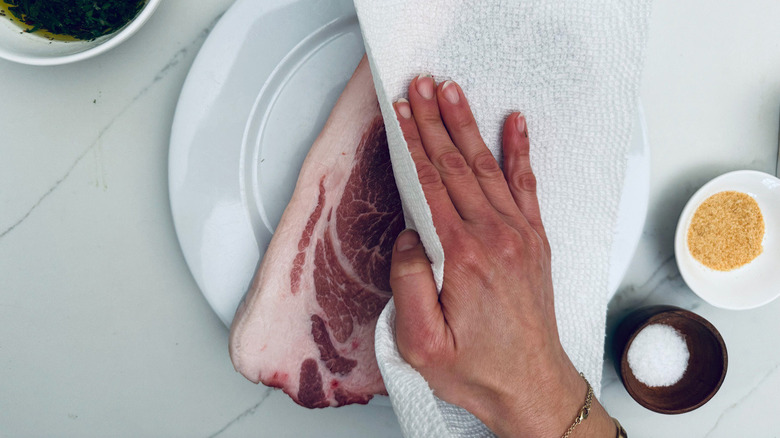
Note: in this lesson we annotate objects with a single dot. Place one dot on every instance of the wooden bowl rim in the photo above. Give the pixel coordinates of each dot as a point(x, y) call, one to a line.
point(657, 315)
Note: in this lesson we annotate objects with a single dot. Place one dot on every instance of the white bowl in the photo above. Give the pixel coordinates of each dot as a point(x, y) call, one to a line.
point(754, 284)
point(30, 48)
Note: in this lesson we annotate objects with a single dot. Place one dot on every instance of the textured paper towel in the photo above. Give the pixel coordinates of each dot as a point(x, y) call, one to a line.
point(573, 67)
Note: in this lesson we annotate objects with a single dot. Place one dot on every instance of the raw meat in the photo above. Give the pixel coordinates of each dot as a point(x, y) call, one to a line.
point(307, 323)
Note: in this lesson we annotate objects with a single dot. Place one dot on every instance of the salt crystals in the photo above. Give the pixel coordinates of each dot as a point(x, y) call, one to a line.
point(658, 355)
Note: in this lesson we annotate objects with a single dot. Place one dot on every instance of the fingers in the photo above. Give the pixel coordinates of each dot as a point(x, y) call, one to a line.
point(456, 175)
point(462, 128)
point(517, 169)
point(420, 325)
point(445, 217)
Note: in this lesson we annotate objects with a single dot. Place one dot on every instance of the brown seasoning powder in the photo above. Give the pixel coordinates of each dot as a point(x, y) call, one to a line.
point(726, 231)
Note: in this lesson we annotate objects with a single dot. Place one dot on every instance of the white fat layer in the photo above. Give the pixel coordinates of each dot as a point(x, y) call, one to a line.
point(271, 333)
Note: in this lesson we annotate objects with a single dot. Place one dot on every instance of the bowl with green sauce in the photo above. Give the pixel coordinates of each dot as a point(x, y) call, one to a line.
point(51, 32)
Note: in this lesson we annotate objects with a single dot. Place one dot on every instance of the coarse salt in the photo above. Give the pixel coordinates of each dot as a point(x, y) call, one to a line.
point(658, 355)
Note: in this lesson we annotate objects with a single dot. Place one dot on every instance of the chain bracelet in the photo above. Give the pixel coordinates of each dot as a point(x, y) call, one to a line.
point(584, 411)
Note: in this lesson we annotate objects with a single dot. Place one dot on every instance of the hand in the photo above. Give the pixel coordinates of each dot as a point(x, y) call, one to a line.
point(489, 342)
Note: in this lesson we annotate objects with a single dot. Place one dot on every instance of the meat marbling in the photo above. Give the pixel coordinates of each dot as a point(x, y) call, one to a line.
point(307, 323)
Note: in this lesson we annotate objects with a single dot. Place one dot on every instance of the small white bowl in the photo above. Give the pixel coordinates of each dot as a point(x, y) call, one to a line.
point(30, 48)
point(754, 284)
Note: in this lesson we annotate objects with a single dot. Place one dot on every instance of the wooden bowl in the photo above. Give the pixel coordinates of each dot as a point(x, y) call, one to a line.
point(706, 366)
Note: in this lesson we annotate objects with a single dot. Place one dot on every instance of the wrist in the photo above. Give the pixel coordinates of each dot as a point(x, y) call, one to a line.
point(599, 424)
point(550, 408)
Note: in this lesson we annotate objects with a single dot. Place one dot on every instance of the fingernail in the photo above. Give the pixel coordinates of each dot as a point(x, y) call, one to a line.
point(425, 86)
point(521, 126)
point(403, 108)
point(450, 93)
point(407, 240)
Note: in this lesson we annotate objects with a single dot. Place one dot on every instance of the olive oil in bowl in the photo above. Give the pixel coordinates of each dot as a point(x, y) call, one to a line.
point(70, 20)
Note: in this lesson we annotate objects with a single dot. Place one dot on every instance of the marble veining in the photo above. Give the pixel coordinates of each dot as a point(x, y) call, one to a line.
point(747, 395)
point(174, 61)
point(249, 412)
point(94, 280)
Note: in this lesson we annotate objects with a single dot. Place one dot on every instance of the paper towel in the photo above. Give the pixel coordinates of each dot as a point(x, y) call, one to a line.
point(573, 68)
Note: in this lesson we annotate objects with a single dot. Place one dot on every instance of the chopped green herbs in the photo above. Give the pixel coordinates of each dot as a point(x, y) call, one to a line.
point(80, 19)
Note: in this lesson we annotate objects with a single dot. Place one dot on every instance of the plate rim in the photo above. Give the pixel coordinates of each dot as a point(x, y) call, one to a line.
point(193, 91)
point(682, 256)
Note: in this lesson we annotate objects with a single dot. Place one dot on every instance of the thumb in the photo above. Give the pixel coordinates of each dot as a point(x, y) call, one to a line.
point(419, 322)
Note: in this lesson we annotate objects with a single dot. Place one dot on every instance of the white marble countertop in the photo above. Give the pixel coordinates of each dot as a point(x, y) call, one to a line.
point(103, 332)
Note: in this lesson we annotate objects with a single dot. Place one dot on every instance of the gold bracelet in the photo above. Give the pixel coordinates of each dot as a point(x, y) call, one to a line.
point(621, 433)
point(584, 410)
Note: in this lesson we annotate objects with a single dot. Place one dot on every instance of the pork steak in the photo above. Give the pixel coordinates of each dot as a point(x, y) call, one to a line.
point(307, 323)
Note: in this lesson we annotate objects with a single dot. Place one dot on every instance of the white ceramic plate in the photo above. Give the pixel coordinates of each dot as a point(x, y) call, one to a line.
point(632, 209)
point(751, 285)
point(27, 48)
point(269, 75)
